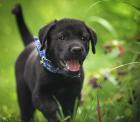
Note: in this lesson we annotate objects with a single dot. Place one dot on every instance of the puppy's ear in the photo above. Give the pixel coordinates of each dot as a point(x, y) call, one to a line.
point(93, 39)
point(44, 31)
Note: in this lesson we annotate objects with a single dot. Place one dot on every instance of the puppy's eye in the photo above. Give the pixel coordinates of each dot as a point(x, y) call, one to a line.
point(61, 37)
point(84, 38)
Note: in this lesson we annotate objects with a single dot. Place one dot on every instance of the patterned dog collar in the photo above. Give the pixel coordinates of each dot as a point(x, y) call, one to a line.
point(47, 64)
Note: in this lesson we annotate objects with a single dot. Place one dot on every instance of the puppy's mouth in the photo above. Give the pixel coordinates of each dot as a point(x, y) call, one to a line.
point(71, 65)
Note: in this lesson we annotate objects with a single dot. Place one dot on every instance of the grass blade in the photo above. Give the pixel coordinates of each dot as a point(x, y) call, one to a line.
point(104, 23)
point(137, 8)
point(93, 5)
point(99, 110)
point(75, 110)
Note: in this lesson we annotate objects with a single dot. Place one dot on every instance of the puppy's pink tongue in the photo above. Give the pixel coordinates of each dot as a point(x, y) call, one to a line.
point(73, 65)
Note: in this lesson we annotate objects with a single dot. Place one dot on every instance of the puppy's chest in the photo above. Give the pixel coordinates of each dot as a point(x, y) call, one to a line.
point(60, 88)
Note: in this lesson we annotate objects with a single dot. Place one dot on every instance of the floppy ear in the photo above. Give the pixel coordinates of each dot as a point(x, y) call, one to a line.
point(44, 31)
point(93, 39)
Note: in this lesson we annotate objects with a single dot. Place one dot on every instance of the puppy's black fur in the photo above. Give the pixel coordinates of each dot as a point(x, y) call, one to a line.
point(66, 39)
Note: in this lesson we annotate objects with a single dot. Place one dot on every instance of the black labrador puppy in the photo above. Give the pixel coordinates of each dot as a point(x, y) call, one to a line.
point(66, 45)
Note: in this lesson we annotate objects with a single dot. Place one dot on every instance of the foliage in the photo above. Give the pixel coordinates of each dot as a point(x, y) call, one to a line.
point(117, 24)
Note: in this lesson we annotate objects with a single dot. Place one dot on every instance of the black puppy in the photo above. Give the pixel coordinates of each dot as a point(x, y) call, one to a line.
point(66, 45)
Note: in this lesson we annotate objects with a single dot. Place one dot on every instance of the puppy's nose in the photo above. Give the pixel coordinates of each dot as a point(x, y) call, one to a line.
point(76, 49)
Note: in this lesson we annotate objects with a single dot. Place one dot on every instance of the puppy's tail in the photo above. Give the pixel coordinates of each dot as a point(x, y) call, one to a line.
point(23, 29)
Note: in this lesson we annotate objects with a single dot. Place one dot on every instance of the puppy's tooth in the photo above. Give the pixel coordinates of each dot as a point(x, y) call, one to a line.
point(67, 66)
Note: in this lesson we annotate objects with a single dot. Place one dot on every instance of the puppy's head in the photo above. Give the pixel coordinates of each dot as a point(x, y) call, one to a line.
point(67, 43)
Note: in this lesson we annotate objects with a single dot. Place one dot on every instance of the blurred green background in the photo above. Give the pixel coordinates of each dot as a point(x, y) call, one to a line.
point(112, 75)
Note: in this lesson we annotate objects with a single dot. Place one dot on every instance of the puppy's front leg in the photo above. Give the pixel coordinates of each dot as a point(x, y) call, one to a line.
point(47, 105)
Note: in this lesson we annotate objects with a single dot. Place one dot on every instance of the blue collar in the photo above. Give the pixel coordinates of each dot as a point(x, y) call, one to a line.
point(47, 64)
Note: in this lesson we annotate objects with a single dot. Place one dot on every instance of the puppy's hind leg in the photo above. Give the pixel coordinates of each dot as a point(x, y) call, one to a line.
point(25, 102)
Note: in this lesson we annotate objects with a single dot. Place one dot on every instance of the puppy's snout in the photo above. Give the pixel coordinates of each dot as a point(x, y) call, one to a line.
point(76, 49)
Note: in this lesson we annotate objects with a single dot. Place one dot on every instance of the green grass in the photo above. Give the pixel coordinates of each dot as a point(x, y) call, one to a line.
point(114, 21)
